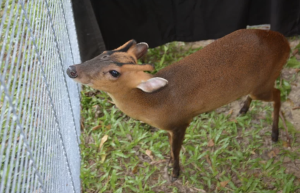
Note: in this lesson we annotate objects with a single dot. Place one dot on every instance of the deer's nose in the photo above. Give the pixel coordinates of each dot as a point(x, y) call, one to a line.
point(71, 71)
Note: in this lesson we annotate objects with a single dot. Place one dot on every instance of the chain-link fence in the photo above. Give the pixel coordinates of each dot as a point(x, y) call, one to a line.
point(40, 110)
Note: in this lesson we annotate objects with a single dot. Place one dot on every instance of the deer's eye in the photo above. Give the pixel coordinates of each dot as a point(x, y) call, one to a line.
point(114, 73)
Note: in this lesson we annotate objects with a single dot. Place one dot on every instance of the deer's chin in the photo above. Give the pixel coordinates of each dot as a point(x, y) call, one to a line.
point(86, 83)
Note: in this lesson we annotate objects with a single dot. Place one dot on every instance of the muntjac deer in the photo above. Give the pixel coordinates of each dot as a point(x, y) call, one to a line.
point(245, 62)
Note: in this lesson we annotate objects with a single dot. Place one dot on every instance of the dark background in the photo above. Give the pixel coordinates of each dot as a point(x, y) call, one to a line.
point(107, 24)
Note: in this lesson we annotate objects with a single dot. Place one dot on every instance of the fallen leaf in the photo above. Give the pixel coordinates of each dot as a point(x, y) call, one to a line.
point(296, 108)
point(211, 143)
point(111, 102)
point(129, 137)
point(135, 169)
point(199, 190)
point(290, 101)
point(155, 178)
point(224, 183)
point(96, 127)
point(271, 154)
point(297, 70)
point(286, 144)
point(103, 140)
point(234, 120)
point(207, 159)
point(96, 106)
point(294, 84)
point(230, 112)
point(157, 162)
point(81, 124)
point(149, 153)
point(103, 157)
point(262, 162)
point(252, 152)
point(108, 127)
point(276, 150)
point(225, 132)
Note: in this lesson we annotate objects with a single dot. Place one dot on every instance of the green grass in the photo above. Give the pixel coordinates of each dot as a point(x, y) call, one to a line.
point(220, 153)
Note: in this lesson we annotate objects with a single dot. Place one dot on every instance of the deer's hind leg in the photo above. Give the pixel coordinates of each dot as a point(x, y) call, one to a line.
point(274, 96)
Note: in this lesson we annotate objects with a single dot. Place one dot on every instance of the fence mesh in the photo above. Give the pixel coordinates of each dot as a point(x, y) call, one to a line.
point(40, 107)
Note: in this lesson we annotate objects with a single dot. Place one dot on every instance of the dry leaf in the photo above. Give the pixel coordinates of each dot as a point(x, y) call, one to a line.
point(296, 108)
point(225, 132)
point(262, 162)
point(81, 124)
point(149, 153)
point(103, 140)
point(111, 102)
point(158, 162)
point(271, 154)
point(230, 112)
point(96, 127)
point(276, 150)
point(135, 169)
point(211, 143)
point(286, 144)
point(129, 137)
point(297, 70)
point(252, 152)
point(234, 120)
point(207, 159)
point(223, 184)
point(199, 190)
point(96, 106)
point(155, 178)
point(293, 84)
point(103, 157)
point(290, 101)
point(108, 127)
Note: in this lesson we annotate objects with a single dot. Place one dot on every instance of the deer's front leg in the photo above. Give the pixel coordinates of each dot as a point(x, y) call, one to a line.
point(176, 137)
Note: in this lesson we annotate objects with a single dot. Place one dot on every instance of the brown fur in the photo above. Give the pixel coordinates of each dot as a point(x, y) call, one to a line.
point(245, 62)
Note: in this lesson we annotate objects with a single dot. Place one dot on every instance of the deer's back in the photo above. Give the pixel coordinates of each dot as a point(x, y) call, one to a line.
point(225, 70)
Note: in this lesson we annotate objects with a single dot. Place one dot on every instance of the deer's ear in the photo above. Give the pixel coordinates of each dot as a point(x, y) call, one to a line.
point(125, 47)
point(140, 49)
point(152, 84)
